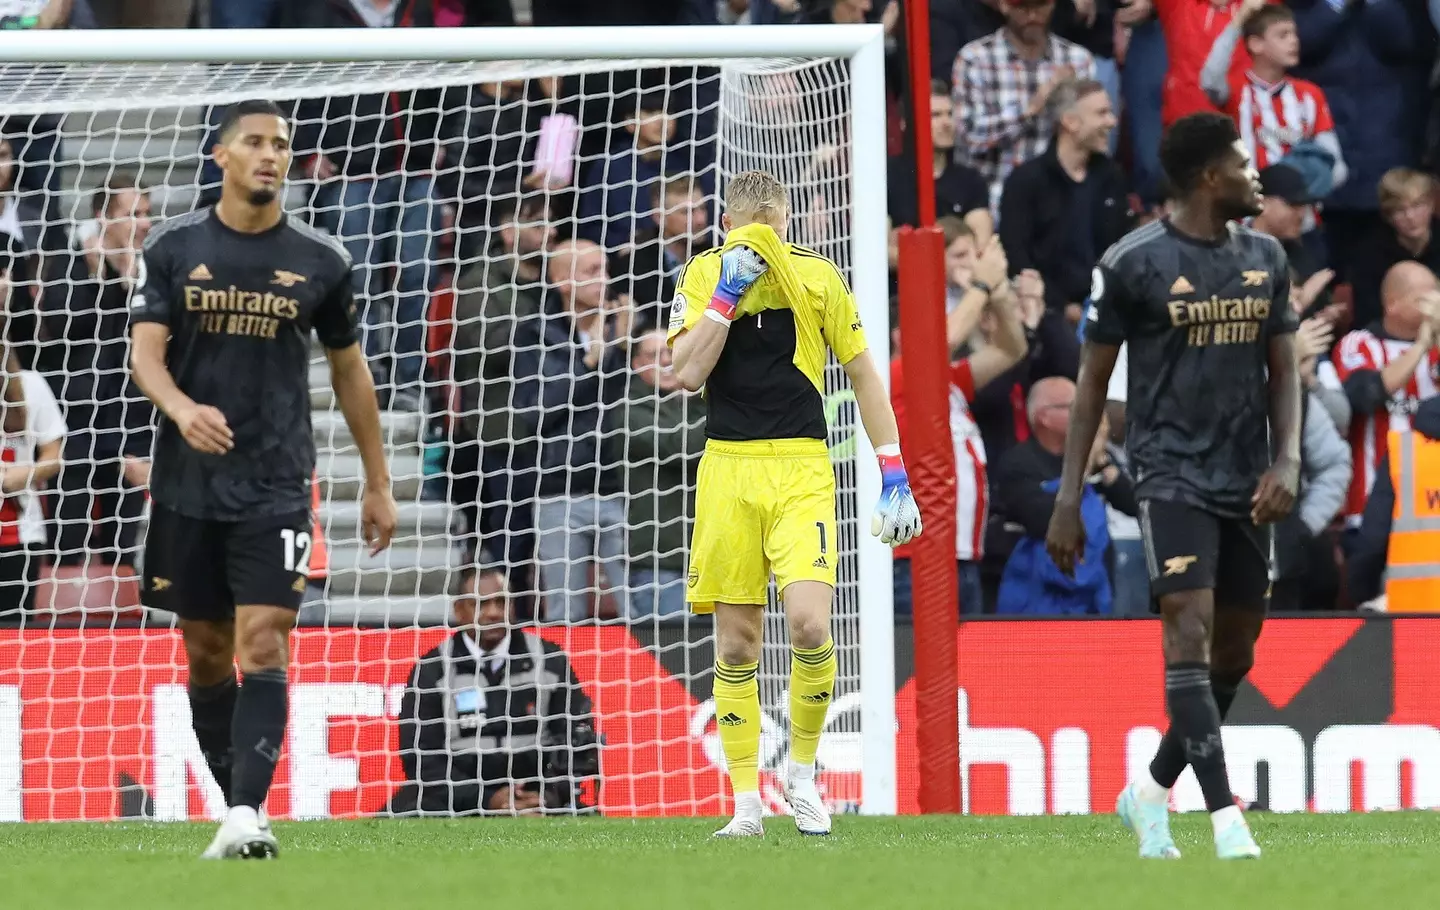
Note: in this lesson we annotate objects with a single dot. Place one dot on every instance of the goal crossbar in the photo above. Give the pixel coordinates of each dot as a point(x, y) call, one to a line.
point(388, 45)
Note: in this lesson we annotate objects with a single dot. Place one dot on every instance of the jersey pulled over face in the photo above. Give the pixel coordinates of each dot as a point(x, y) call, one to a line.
point(1197, 319)
point(240, 309)
point(769, 382)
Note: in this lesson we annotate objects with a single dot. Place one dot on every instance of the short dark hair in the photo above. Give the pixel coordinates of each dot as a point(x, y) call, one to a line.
point(114, 185)
point(1260, 21)
point(472, 573)
point(514, 208)
point(244, 109)
point(1194, 144)
point(939, 87)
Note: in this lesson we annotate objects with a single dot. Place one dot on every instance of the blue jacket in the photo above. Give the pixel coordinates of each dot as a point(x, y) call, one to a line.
point(1372, 59)
point(1033, 584)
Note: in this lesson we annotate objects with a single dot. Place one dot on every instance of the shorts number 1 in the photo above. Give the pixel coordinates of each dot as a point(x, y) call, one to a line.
point(820, 526)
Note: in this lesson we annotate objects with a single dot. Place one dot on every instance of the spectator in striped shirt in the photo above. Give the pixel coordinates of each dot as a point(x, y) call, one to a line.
point(996, 313)
point(1002, 85)
point(1387, 369)
point(1276, 113)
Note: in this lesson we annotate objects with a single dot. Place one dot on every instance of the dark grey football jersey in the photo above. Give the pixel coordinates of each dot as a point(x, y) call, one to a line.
point(1196, 318)
point(241, 309)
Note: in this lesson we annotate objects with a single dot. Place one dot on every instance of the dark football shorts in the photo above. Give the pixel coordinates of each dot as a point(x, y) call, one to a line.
point(1187, 549)
point(199, 569)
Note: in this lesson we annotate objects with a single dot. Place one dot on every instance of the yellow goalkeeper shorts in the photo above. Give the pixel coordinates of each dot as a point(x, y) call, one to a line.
point(761, 506)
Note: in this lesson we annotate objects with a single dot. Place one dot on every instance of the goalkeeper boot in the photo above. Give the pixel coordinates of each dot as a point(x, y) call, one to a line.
point(245, 834)
point(812, 816)
point(746, 822)
point(1150, 820)
point(1233, 839)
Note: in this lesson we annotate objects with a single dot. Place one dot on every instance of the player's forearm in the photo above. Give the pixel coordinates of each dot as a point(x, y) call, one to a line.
point(1285, 397)
point(698, 350)
point(147, 367)
point(873, 402)
point(355, 393)
point(1096, 364)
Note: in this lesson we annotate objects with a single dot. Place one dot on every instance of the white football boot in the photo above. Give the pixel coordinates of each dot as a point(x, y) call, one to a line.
point(746, 822)
point(812, 816)
point(245, 834)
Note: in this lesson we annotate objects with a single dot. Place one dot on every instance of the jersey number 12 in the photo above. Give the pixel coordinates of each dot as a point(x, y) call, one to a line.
point(297, 550)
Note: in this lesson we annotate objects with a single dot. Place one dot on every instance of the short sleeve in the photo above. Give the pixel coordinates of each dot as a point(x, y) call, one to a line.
point(335, 316)
point(151, 300)
point(692, 296)
point(42, 412)
point(1283, 319)
point(842, 329)
point(1108, 319)
point(1119, 387)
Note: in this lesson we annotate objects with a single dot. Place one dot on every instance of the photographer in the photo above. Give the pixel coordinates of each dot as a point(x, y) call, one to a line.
point(493, 719)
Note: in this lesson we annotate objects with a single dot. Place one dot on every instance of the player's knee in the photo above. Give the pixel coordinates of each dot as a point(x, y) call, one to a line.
point(209, 650)
point(1187, 634)
point(737, 643)
point(808, 630)
point(1230, 663)
point(263, 642)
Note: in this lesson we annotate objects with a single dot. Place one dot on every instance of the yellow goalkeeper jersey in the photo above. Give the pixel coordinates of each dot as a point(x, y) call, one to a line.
point(769, 382)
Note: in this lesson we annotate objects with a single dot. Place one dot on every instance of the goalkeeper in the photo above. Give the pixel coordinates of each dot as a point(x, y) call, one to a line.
point(751, 324)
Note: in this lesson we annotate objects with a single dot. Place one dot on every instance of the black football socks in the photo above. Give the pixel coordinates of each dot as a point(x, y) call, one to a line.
point(212, 711)
point(1195, 717)
point(1170, 761)
point(259, 731)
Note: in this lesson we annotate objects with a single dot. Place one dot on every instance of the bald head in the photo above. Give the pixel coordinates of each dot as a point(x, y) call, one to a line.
point(1049, 394)
point(1406, 279)
point(576, 269)
point(1402, 294)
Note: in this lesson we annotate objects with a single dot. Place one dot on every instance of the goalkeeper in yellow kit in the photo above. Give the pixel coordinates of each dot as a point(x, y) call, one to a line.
point(751, 324)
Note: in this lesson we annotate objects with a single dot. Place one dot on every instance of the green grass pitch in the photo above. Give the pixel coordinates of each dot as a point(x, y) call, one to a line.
point(1355, 862)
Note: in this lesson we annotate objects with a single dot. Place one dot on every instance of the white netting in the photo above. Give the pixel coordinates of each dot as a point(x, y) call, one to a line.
point(491, 446)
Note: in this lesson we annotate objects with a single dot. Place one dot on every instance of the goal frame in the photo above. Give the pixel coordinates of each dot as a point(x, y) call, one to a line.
point(863, 47)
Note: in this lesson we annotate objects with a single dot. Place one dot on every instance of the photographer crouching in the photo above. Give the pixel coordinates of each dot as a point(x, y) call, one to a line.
point(493, 720)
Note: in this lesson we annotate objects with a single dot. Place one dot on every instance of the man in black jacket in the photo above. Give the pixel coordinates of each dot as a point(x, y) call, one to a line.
point(494, 720)
point(1060, 211)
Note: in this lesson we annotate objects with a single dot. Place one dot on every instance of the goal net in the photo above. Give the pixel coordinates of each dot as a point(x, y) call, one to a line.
point(483, 203)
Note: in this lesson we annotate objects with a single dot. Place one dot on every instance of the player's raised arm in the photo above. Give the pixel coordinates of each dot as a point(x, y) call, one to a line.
point(698, 334)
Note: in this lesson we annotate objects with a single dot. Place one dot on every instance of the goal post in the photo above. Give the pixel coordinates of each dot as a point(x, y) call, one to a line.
point(806, 102)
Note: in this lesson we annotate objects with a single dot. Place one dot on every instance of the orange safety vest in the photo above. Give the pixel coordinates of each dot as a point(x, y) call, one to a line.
point(319, 553)
point(1412, 572)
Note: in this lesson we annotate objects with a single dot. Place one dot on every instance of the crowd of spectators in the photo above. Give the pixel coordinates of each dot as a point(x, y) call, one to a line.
point(517, 243)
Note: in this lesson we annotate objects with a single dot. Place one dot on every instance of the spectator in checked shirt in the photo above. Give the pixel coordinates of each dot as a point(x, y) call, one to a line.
point(1002, 84)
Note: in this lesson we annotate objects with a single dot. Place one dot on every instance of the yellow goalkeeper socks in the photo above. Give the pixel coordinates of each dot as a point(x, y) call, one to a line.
point(812, 685)
point(737, 716)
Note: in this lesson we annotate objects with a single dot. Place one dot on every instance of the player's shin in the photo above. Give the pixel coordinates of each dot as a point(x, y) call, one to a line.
point(1195, 716)
point(737, 717)
point(812, 687)
point(259, 731)
point(212, 714)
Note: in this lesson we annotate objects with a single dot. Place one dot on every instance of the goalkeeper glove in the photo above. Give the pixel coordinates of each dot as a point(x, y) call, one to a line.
point(739, 268)
point(896, 519)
